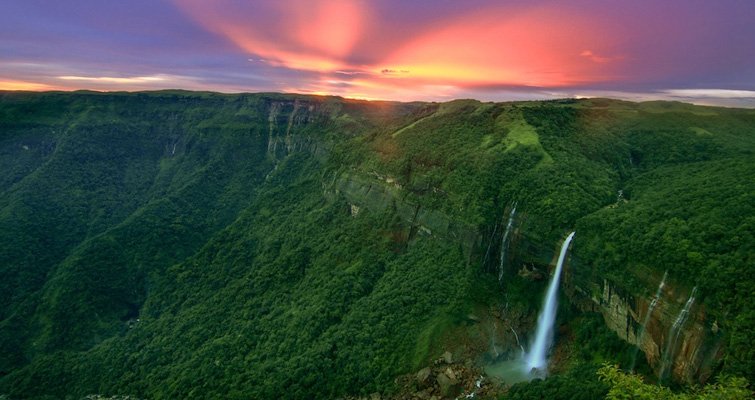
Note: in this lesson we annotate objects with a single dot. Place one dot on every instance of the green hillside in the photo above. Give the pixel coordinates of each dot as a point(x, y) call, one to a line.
point(197, 245)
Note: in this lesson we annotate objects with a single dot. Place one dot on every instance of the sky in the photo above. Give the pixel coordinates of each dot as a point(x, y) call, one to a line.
point(431, 50)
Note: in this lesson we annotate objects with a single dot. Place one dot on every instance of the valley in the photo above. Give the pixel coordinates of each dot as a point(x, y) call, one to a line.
point(176, 244)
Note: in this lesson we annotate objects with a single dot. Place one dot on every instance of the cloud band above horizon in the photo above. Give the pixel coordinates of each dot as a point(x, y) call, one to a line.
point(390, 49)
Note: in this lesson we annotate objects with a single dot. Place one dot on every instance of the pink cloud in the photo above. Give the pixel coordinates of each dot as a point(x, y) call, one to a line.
point(307, 35)
point(492, 46)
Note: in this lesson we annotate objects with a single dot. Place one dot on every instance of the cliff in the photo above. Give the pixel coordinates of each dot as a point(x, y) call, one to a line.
point(179, 244)
point(690, 352)
point(380, 193)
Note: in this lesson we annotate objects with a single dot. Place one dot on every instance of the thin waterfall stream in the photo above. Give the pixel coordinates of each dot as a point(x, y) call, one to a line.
point(505, 243)
point(645, 321)
point(673, 335)
point(518, 343)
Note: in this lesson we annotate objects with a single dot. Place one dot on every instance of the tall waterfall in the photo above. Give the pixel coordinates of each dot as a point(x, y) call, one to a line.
point(673, 335)
point(645, 321)
point(544, 336)
point(505, 243)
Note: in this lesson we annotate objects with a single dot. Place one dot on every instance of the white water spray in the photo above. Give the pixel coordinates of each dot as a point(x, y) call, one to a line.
point(492, 341)
point(545, 321)
point(651, 307)
point(505, 243)
point(673, 335)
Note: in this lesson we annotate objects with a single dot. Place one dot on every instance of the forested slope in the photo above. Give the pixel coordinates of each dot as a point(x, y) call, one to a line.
point(182, 244)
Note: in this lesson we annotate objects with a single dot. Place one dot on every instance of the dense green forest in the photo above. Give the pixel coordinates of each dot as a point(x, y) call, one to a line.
point(197, 245)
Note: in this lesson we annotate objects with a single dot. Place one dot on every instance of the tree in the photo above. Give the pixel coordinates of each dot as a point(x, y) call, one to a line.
point(625, 386)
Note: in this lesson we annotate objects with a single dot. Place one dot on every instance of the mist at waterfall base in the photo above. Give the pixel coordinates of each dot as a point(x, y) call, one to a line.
point(534, 364)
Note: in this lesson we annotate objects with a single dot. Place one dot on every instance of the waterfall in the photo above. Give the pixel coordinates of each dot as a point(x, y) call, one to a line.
point(485, 261)
point(504, 242)
point(517, 339)
point(645, 321)
point(674, 332)
point(545, 321)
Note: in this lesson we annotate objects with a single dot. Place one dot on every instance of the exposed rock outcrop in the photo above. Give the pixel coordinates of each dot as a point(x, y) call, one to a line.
point(286, 119)
point(693, 356)
point(378, 193)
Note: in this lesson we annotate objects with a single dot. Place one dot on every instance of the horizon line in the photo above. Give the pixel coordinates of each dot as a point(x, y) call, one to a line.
point(631, 97)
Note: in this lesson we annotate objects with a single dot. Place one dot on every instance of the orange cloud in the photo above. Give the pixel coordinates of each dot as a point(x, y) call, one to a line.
point(540, 47)
point(22, 85)
point(497, 46)
point(377, 88)
point(332, 28)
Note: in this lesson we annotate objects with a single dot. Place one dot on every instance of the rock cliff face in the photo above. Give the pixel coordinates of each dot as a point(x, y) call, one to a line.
point(379, 192)
point(286, 119)
point(689, 354)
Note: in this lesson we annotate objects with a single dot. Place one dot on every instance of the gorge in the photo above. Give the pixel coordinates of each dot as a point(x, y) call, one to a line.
point(190, 244)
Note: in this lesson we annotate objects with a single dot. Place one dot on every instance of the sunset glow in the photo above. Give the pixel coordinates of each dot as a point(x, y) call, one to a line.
point(383, 49)
point(20, 85)
point(496, 48)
